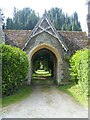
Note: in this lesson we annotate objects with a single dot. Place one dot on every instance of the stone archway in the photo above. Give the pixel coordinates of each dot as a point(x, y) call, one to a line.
point(44, 35)
point(44, 59)
point(58, 67)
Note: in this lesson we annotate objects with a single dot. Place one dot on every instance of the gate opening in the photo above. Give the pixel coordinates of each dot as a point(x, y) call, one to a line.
point(44, 67)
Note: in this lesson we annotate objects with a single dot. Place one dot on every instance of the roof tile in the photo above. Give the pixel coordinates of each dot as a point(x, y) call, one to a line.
point(73, 39)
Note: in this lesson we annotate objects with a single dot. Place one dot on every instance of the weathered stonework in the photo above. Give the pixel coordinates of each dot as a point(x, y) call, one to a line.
point(55, 52)
point(47, 38)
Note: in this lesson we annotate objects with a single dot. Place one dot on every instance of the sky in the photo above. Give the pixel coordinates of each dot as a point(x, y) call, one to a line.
point(68, 6)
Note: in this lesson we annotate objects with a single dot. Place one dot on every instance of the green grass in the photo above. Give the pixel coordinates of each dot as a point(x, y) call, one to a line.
point(18, 96)
point(71, 89)
point(74, 90)
point(0, 102)
point(42, 73)
point(42, 77)
point(23, 92)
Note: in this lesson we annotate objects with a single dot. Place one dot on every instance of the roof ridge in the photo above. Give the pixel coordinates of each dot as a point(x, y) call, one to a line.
point(45, 25)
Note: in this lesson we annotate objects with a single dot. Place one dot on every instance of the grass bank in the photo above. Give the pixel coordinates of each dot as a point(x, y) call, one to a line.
point(42, 77)
point(74, 91)
point(0, 102)
point(21, 94)
point(24, 91)
point(42, 73)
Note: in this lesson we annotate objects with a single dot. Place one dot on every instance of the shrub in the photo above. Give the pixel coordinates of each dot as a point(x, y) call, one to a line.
point(80, 69)
point(14, 68)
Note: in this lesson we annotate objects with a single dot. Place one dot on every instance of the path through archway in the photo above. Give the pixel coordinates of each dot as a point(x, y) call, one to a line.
point(44, 67)
point(56, 58)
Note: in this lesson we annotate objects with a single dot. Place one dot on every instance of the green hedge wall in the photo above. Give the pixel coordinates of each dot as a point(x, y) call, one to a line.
point(80, 70)
point(14, 68)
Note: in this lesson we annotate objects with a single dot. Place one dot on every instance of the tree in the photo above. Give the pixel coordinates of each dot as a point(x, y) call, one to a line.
point(75, 23)
point(9, 23)
point(22, 19)
point(64, 22)
point(27, 18)
point(57, 17)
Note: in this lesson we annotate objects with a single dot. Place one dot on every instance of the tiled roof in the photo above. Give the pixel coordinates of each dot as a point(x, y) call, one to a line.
point(17, 37)
point(73, 40)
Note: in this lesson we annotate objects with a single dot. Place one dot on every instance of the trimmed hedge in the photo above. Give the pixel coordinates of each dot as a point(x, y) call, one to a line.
point(14, 69)
point(80, 70)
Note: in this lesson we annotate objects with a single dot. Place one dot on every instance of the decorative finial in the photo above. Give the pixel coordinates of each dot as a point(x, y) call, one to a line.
point(45, 13)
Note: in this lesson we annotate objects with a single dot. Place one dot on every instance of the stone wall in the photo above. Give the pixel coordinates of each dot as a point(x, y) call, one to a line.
point(44, 40)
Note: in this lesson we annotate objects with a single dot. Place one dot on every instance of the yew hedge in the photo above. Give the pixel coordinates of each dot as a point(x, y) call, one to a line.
point(14, 69)
point(80, 70)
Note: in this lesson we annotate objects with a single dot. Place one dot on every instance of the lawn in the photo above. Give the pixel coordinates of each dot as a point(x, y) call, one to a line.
point(42, 77)
point(21, 94)
point(42, 73)
point(74, 91)
point(0, 102)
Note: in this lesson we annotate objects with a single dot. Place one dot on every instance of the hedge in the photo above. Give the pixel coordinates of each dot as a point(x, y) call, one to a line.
point(14, 69)
point(80, 70)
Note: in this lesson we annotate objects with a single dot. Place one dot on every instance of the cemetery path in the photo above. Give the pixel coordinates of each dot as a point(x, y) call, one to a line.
point(46, 103)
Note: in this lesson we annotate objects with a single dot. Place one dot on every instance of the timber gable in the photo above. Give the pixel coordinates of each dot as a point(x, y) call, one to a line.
point(45, 25)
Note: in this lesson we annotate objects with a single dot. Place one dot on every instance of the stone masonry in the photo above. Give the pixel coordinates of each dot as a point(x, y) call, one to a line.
point(44, 35)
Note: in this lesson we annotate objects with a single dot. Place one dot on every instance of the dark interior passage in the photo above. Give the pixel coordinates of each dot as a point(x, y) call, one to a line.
point(44, 65)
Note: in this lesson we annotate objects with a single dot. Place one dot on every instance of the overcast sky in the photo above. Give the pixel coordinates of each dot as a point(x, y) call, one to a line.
point(68, 6)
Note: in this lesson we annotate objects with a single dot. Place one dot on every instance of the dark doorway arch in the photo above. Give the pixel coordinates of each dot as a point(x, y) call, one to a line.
point(52, 51)
point(44, 59)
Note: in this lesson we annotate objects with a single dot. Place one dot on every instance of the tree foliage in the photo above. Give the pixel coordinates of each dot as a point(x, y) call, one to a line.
point(80, 70)
point(64, 22)
point(22, 19)
point(14, 68)
point(27, 19)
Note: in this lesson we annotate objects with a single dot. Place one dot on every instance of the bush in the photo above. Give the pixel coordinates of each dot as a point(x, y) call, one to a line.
point(80, 69)
point(14, 68)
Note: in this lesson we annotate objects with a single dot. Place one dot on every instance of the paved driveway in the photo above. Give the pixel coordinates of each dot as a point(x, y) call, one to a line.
point(46, 103)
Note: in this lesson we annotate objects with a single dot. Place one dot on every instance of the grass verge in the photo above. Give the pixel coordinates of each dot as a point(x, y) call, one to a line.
point(42, 73)
point(74, 91)
point(0, 102)
point(21, 94)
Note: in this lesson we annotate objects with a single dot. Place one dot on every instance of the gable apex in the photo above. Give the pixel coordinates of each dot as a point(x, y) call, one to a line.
point(45, 25)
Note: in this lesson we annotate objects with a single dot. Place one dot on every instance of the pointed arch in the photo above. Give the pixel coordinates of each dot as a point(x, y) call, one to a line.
point(58, 60)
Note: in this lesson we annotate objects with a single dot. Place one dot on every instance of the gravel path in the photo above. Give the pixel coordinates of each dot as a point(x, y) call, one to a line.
point(46, 103)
